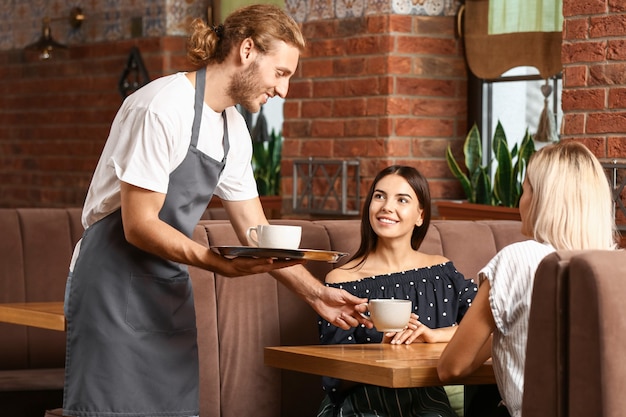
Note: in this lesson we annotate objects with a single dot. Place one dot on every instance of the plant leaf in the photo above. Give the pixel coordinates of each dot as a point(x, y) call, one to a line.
point(266, 157)
point(460, 175)
point(526, 150)
point(473, 150)
point(504, 180)
point(276, 148)
point(482, 187)
point(499, 139)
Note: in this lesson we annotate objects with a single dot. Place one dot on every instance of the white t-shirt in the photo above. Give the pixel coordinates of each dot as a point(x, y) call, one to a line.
point(150, 137)
point(511, 274)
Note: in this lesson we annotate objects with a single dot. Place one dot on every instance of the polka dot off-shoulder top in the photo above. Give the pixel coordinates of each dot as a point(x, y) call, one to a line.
point(440, 294)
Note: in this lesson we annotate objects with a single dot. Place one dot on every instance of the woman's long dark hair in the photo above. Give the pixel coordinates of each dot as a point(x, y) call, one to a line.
point(419, 184)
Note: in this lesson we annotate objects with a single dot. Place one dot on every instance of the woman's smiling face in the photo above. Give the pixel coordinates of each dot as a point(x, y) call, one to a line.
point(395, 209)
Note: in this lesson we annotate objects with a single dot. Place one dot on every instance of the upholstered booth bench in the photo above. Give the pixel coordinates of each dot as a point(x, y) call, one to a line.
point(577, 336)
point(236, 317)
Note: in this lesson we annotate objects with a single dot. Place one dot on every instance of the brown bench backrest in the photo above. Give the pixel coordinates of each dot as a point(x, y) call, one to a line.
point(577, 336)
point(545, 373)
point(597, 334)
point(36, 248)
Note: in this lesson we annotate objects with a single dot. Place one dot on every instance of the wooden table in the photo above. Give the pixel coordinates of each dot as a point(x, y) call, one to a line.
point(383, 364)
point(46, 315)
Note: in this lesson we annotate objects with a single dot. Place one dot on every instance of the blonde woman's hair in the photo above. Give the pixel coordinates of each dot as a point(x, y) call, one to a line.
point(571, 205)
point(263, 23)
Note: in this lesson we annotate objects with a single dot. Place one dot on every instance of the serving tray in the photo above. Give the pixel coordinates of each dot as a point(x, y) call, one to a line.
point(308, 254)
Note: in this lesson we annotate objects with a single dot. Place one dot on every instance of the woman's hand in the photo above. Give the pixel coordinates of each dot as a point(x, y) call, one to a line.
point(408, 335)
point(418, 332)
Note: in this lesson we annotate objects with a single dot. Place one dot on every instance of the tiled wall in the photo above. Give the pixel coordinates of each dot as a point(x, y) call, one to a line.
point(310, 10)
point(106, 20)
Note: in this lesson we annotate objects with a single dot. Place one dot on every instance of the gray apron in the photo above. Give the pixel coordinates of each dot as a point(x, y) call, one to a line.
point(131, 325)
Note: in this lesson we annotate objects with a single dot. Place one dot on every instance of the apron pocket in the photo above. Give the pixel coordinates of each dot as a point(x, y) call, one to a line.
point(160, 304)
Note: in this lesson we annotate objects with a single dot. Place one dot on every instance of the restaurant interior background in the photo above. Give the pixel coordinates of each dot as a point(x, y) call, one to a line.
point(381, 82)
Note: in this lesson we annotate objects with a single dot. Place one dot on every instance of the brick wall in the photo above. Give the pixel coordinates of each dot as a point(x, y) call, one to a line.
point(594, 75)
point(55, 115)
point(594, 81)
point(382, 89)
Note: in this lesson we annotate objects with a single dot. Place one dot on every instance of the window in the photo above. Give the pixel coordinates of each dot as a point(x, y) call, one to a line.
point(516, 100)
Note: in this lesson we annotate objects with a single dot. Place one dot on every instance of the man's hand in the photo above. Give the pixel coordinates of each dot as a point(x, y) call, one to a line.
point(241, 266)
point(341, 308)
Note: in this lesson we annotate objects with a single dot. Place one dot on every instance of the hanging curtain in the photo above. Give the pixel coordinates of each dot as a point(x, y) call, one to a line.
point(504, 34)
point(514, 16)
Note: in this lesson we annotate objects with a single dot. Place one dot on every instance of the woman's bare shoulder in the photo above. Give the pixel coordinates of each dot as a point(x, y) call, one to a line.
point(430, 259)
point(348, 272)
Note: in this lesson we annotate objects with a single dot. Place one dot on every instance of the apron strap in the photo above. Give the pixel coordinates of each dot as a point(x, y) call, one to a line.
point(197, 117)
point(199, 103)
point(226, 142)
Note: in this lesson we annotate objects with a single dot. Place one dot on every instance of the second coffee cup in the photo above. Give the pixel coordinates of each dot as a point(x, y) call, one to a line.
point(275, 236)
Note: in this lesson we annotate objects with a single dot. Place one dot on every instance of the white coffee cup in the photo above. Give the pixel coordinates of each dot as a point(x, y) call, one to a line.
point(389, 315)
point(275, 236)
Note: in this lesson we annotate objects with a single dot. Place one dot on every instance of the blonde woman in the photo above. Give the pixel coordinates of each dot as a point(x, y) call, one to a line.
point(566, 204)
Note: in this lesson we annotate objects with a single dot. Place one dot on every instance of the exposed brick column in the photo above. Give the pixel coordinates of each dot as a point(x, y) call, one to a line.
point(594, 75)
point(594, 79)
point(383, 89)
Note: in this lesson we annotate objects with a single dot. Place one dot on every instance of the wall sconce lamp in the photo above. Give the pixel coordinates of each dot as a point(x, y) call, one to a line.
point(46, 43)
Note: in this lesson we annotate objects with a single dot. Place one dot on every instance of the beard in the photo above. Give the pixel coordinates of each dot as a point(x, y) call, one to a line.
point(243, 86)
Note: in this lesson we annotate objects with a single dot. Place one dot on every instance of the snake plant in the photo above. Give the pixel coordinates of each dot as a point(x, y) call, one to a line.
point(506, 187)
point(266, 157)
point(266, 153)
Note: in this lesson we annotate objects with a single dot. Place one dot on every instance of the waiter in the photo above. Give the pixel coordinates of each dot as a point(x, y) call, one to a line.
point(131, 331)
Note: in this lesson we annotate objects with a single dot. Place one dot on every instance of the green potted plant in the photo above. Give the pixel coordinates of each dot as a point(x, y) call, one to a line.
point(266, 153)
point(266, 157)
point(499, 197)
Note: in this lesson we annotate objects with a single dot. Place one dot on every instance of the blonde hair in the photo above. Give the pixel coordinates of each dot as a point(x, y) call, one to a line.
point(263, 23)
point(571, 205)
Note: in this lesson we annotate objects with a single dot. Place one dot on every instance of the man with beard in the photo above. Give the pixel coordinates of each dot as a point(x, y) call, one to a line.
point(131, 339)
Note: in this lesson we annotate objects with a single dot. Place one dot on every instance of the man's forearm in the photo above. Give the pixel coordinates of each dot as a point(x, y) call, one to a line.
point(300, 281)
